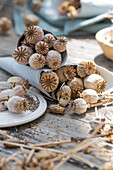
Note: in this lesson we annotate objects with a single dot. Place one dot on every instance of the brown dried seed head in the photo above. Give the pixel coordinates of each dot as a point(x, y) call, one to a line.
point(101, 86)
point(80, 69)
point(56, 109)
point(69, 72)
point(49, 81)
point(63, 7)
point(65, 95)
point(54, 64)
point(20, 54)
point(76, 92)
point(41, 47)
point(49, 39)
point(26, 43)
point(31, 33)
point(62, 40)
point(24, 105)
point(90, 68)
point(37, 61)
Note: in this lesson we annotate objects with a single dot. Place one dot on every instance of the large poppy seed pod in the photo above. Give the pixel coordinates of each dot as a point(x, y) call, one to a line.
point(60, 44)
point(17, 104)
point(4, 85)
point(86, 68)
point(79, 106)
point(30, 20)
point(49, 39)
point(69, 72)
point(90, 96)
point(41, 47)
point(5, 24)
point(60, 74)
point(65, 92)
point(53, 59)
point(15, 80)
point(22, 54)
point(74, 83)
point(95, 82)
point(36, 5)
point(49, 81)
point(34, 34)
point(37, 61)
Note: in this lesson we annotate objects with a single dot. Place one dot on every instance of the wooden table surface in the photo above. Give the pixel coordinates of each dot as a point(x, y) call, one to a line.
point(52, 126)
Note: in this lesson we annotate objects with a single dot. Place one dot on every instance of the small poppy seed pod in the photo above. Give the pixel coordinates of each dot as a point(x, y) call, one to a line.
point(56, 109)
point(90, 96)
point(5, 24)
point(63, 7)
point(26, 43)
point(65, 92)
point(69, 72)
point(86, 68)
point(60, 74)
point(17, 104)
point(34, 34)
point(30, 19)
point(79, 106)
point(49, 39)
point(22, 54)
point(3, 106)
point(5, 94)
point(95, 82)
point(49, 81)
point(36, 5)
point(63, 102)
point(74, 83)
point(4, 85)
point(19, 2)
point(15, 80)
point(37, 61)
point(60, 44)
point(53, 59)
point(41, 47)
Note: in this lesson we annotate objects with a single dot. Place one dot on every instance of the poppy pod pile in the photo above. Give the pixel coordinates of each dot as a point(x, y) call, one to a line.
point(39, 48)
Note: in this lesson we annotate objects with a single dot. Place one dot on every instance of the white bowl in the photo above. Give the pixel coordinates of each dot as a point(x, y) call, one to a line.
point(104, 38)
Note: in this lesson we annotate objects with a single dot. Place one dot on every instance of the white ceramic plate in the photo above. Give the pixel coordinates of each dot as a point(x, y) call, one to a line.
point(8, 119)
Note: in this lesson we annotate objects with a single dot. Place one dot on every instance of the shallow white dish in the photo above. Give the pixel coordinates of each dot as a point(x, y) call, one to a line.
point(8, 119)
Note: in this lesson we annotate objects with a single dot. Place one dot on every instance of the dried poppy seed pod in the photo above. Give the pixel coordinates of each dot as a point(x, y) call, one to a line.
point(19, 2)
point(53, 59)
point(63, 102)
point(76, 92)
point(72, 12)
point(34, 34)
point(60, 44)
point(49, 81)
point(30, 19)
point(41, 47)
point(36, 5)
point(5, 24)
point(22, 54)
point(49, 39)
point(69, 72)
point(65, 92)
point(79, 106)
point(74, 83)
point(56, 109)
point(95, 82)
point(15, 80)
point(26, 43)
point(90, 96)
point(17, 104)
point(63, 7)
point(4, 85)
point(3, 106)
point(60, 74)
point(86, 68)
point(5, 94)
point(37, 61)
